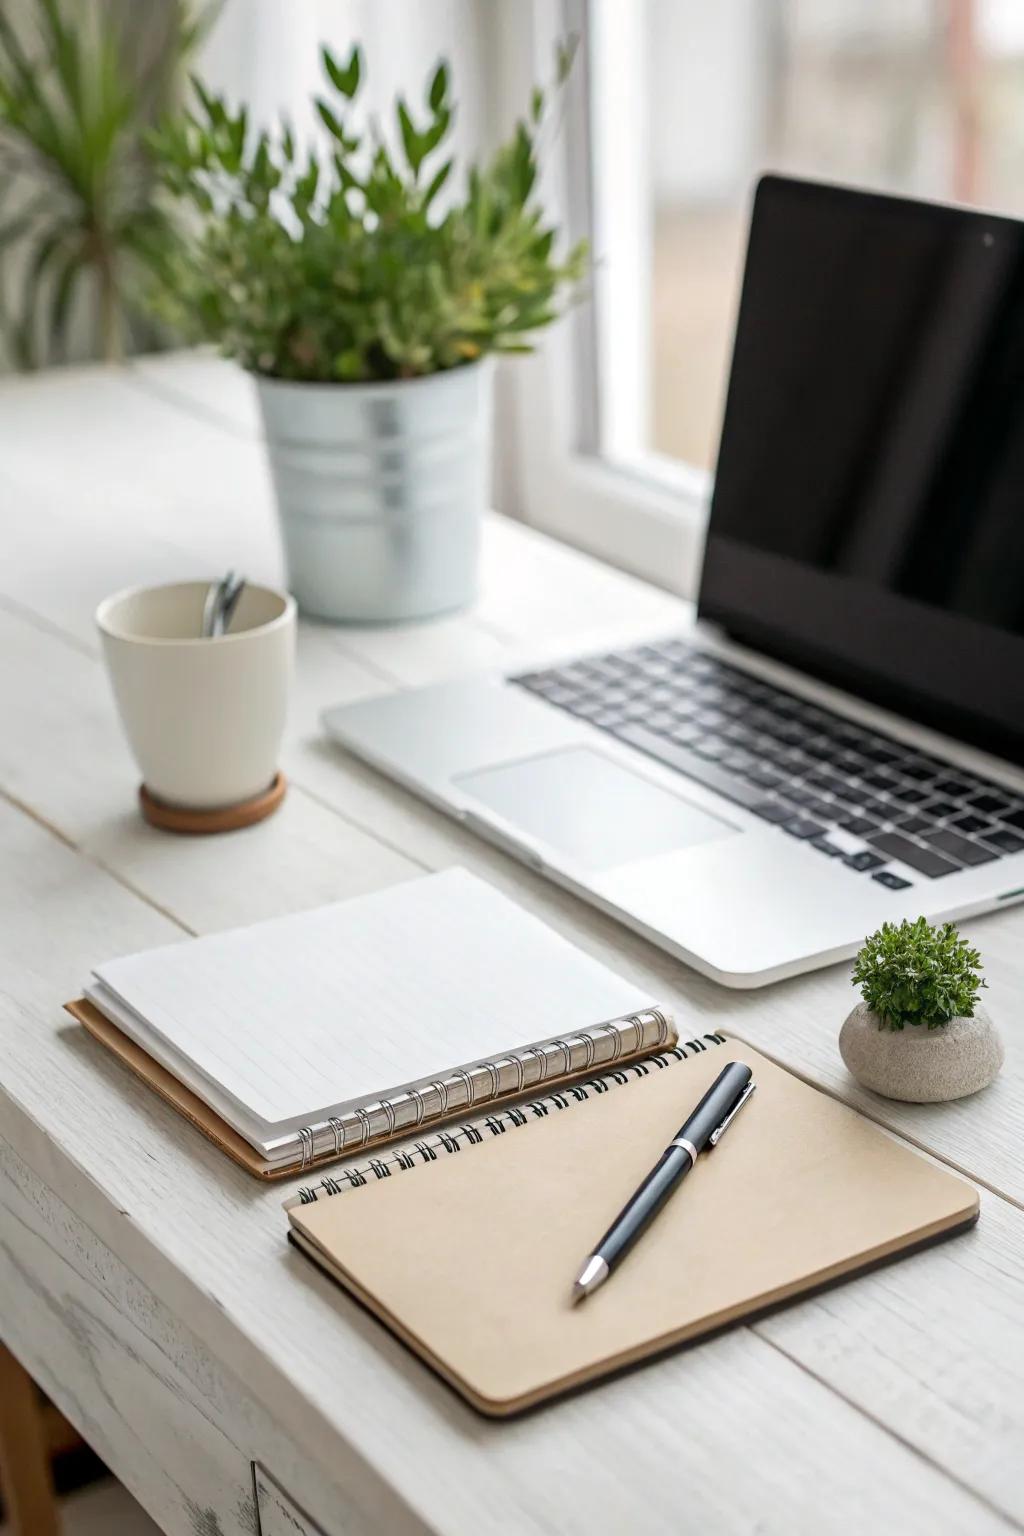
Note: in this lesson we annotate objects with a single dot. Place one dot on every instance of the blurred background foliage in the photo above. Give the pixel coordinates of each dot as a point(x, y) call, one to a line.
point(81, 83)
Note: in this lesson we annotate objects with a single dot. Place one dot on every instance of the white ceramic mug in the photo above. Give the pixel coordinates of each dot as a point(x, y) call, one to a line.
point(204, 718)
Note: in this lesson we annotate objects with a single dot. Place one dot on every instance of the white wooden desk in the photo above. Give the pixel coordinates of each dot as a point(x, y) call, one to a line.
point(146, 1282)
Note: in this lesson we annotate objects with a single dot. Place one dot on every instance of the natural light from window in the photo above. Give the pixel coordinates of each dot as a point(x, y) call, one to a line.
point(690, 101)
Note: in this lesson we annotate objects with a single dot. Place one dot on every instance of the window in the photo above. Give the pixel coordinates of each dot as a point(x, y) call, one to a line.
point(678, 106)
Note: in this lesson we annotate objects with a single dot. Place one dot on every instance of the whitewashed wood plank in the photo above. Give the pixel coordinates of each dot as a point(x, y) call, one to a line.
point(279, 1514)
point(203, 383)
point(211, 1246)
point(64, 593)
point(419, 653)
point(324, 670)
point(116, 460)
point(875, 1342)
point(532, 587)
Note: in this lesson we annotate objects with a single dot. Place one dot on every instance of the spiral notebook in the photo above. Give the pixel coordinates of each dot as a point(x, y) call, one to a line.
point(466, 1243)
point(309, 1037)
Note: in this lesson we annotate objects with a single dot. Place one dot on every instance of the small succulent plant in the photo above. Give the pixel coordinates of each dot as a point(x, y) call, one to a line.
point(914, 973)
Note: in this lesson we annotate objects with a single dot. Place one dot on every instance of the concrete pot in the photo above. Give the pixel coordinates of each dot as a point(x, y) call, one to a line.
point(380, 491)
point(921, 1065)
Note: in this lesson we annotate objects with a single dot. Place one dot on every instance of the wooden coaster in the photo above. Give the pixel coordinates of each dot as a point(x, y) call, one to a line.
point(226, 818)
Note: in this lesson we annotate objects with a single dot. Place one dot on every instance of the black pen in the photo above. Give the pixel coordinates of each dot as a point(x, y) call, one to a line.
point(703, 1128)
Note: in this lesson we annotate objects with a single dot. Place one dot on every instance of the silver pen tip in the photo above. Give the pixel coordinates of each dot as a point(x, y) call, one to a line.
point(593, 1274)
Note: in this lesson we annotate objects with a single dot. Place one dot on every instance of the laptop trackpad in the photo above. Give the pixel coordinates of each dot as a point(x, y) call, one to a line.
point(591, 808)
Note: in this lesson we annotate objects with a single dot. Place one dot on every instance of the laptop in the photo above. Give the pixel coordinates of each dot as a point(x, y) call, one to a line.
point(837, 741)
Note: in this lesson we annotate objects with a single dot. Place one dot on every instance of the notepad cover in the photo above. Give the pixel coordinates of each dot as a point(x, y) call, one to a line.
point(470, 1259)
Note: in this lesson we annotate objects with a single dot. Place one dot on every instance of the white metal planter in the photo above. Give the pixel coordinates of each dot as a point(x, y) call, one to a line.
point(380, 490)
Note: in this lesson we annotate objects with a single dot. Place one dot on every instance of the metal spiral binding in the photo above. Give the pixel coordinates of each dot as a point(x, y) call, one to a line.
point(470, 1133)
point(519, 1061)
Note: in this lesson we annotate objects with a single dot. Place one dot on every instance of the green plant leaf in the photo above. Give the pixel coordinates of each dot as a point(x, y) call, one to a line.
point(329, 121)
point(437, 181)
point(438, 92)
point(412, 143)
point(565, 57)
point(63, 290)
point(344, 79)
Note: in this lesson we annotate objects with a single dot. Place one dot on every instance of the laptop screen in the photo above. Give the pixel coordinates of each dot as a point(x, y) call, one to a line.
point(868, 513)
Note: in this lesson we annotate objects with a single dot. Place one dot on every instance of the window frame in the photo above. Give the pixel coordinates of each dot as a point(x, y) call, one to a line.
point(644, 513)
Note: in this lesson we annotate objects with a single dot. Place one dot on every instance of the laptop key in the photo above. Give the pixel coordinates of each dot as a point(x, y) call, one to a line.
point(799, 827)
point(687, 762)
point(588, 706)
point(960, 848)
point(859, 825)
point(711, 747)
point(972, 824)
point(856, 794)
point(908, 794)
point(737, 761)
point(890, 881)
point(1007, 842)
point(1015, 819)
point(773, 810)
point(659, 720)
point(915, 768)
point(764, 778)
point(988, 805)
point(940, 809)
point(818, 808)
point(914, 824)
point(832, 850)
point(954, 787)
point(877, 752)
point(924, 860)
point(865, 859)
point(823, 749)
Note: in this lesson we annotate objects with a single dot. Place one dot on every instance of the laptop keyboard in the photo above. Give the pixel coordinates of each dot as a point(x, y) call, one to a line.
point(796, 764)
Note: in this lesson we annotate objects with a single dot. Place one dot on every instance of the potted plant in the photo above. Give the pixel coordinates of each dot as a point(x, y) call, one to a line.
point(366, 299)
point(919, 1034)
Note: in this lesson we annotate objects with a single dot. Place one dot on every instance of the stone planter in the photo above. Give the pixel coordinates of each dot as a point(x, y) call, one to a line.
point(380, 491)
point(921, 1065)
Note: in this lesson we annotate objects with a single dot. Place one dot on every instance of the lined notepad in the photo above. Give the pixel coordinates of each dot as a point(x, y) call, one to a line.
point(315, 1032)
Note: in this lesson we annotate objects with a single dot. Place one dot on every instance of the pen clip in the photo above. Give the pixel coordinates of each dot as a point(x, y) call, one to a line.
point(719, 1132)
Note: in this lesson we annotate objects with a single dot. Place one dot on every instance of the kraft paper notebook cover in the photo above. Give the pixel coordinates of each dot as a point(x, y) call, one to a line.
point(470, 1259)
point(304, 1038)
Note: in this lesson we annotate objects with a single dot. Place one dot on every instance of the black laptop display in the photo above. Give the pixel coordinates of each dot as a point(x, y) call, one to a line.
point(868, 513)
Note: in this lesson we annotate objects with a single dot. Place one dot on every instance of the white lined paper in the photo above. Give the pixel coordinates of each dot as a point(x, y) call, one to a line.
point(294, 1019)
